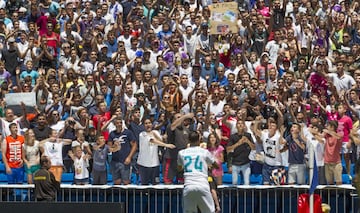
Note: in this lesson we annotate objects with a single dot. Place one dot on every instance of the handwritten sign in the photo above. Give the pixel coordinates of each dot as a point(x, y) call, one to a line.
point(223, 17)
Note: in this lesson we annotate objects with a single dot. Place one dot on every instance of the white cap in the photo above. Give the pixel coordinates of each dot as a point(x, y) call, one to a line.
point(22, 10)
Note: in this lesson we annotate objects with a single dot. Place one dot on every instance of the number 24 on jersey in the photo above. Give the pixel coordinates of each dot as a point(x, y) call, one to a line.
point(191, 164)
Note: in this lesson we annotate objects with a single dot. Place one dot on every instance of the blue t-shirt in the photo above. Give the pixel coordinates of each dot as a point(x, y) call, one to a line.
point(136, 129)
point(34, 75)
point(296, 154)
point(125, 137)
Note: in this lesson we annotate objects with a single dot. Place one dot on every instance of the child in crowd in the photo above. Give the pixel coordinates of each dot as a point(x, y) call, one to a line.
point(81, 164)
point(100, 153)
point(217, 151)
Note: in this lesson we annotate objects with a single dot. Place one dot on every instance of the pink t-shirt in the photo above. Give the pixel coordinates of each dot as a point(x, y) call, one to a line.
point(332, 116)
point(345, 125)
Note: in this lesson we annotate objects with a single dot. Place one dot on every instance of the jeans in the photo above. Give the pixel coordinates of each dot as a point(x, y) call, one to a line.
point(245, 169)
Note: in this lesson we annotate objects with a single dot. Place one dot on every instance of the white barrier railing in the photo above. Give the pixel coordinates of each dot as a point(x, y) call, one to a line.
point(168, 198)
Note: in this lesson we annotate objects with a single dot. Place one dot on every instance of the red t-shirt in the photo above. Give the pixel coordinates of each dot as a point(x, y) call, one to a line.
point(332, 149)
point(52, 40)
point(102, 119)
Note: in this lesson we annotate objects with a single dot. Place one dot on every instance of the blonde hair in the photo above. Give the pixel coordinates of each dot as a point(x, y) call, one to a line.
point(27, 137)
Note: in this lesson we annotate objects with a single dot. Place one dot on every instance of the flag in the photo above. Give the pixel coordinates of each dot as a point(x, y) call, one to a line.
point(315, 178)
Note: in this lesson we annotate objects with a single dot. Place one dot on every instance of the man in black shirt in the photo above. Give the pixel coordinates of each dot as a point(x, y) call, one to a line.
point(10, 55)
point(178, 134)
point(45, 184)
point(42, 130)
point(238, 149)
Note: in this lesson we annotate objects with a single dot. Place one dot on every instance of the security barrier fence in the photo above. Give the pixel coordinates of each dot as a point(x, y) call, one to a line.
point(168, 198)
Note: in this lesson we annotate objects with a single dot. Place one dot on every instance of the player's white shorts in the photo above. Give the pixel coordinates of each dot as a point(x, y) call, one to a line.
point(198, 196)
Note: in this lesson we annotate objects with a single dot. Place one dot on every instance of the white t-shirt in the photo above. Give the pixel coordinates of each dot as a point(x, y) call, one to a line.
point(22, 48)
point(218, 108)
point(76, 35)
point(344, 82)
point(148, 151)
point(80, 166)
point(187, 71)
point(129, 101)
point(58, 126)
point(273, 48)
point(5, 126)
point(190, 45)
point(234, 71)
point(271, 148)
point(54, 151)
point(127, 43)
point(185, 92)
point(88, 67)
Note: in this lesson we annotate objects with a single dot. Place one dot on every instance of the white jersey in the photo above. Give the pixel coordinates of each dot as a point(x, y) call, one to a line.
point(148, 152)
point(195, 161)
point(271, 148)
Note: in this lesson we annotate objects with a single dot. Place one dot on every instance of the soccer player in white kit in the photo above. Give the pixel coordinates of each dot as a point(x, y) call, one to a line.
point(195, 161)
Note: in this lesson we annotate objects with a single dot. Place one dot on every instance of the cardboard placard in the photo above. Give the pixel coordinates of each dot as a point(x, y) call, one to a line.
point(223, 17)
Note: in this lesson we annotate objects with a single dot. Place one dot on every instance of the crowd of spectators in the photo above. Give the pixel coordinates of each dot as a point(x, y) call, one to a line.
point(125, 82)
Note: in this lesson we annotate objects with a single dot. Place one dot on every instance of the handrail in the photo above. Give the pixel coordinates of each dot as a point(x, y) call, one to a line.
point(163, 186)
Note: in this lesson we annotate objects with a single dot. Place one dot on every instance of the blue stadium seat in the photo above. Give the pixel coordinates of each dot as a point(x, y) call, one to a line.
point(225, 167)
point(109, 178)
point(227, 178)
point(346, 179)
point(161, 178)
point(255, 179)
point(2, 167)
point(134, 179)
point(67, 178)
point(3, 178)
point(352, 169)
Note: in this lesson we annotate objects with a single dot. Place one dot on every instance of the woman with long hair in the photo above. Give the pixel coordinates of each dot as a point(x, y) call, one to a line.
point(214, 147)
point(31, 155)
